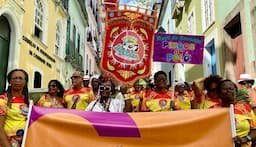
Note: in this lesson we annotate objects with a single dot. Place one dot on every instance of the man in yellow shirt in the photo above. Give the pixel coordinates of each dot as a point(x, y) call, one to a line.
point(78, 97)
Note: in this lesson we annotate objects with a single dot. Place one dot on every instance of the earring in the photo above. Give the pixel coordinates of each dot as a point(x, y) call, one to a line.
point(58, 90)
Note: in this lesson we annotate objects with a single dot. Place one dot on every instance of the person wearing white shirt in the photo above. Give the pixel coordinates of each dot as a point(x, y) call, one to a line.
point(125, 99)
point(104, 103)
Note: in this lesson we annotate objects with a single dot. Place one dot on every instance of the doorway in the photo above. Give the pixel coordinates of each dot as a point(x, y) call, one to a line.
point(4, 50)
point(210, 66)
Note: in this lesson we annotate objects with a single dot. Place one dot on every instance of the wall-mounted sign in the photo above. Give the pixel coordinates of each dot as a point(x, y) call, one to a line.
point(39, 50)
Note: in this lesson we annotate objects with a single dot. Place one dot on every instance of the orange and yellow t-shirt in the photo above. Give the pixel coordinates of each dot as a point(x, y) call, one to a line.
point(46, 101)
point(156, 102)
point(245, 119)
point(182, 102)
point(208, 103)
point(15, 116)
point(78, 99)
point(136, 97)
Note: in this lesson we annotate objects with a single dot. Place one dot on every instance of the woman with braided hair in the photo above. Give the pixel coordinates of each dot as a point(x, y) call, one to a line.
point(14, 108)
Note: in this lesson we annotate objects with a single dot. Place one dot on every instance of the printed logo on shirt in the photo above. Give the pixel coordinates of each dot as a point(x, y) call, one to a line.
point(162, 103)
point(24, 109)
point(137, 97)
point(75, 98)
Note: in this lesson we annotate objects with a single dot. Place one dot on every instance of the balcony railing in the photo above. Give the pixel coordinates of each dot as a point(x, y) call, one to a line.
point(77, 61)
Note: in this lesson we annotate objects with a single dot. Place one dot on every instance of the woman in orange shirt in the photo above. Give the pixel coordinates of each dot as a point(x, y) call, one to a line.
point(160, 97)
point(245, 119)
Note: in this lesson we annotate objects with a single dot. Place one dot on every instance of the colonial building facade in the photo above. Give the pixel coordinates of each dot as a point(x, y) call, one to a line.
point(228, 27)
point(93, 43)
point(75, 40)
point(32, 36)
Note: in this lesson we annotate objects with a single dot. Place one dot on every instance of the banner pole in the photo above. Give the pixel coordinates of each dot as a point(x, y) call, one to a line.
point(173, 84)
point(232, 119)
point(27, 123)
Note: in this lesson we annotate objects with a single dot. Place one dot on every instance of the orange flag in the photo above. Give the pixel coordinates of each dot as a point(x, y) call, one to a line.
point(64, 128)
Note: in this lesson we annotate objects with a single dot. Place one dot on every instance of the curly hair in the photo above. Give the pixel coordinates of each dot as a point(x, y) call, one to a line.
point(211, 79)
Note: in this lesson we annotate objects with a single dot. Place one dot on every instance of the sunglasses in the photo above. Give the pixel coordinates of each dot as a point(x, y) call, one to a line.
point(105, 88)
point(246, 82)
point(75, 77)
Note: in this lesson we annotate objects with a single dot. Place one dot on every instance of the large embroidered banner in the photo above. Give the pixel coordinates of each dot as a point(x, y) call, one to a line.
point(64, 128)
point(128, 43)
point(173, 48)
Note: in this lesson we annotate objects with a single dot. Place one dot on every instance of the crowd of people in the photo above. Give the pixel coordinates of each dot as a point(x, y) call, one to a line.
point(101, 94)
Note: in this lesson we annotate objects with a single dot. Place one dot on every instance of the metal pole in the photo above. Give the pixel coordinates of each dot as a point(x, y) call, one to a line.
point(173, 85)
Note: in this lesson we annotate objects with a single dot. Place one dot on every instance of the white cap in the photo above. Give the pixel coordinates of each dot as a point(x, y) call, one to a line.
point(179, 83)
point(86, 77)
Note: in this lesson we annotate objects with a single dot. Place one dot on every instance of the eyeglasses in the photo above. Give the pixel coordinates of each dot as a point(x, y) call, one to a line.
point(17, 78)
point(160, 80)
point(105, 88)
point(75, 77)
point(53, 85)
point(229, 88)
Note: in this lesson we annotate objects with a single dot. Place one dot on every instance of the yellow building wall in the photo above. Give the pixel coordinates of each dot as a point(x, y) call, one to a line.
point(32, 50)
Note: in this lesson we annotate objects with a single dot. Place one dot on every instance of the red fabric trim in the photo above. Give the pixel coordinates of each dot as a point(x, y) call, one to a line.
point(18, 99)
point(242, 108)
point(214, 100)
point(155, 95)
point(73, 91)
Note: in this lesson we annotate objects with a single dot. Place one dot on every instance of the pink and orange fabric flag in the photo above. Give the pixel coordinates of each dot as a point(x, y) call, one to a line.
point(64, 128)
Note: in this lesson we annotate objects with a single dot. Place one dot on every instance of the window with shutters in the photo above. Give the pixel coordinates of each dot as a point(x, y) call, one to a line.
point(207, 13)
